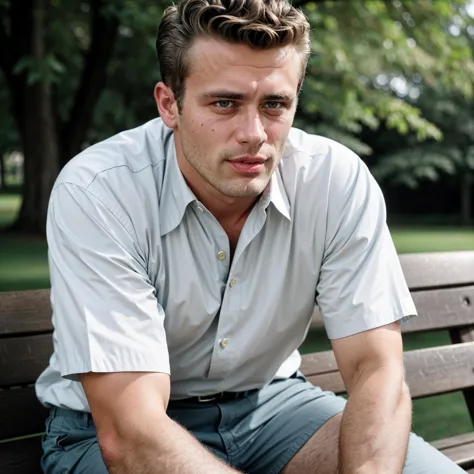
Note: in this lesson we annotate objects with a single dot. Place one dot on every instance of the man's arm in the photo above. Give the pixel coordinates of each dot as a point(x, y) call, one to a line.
point(135, 435)
point(377, 419)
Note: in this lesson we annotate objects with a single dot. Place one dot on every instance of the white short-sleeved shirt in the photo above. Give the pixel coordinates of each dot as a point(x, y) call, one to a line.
point(141, 277)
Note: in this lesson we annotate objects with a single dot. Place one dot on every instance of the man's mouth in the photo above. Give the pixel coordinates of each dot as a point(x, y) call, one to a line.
point(248, 165)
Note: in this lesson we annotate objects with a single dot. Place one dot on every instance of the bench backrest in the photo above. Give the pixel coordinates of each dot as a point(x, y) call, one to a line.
point(442, 285)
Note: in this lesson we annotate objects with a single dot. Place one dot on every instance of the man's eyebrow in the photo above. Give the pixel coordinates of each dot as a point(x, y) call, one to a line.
point(271, 97)
point(229, 95)
point(224, 94)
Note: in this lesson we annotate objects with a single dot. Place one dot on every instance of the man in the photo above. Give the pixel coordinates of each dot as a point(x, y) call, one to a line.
point(186, 257)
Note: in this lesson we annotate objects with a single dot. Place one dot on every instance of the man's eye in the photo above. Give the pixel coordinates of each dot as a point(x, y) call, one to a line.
point(274, 105)
point(224, 104)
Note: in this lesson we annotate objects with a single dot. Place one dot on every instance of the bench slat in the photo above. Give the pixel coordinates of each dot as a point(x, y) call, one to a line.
point(439, 269)
point(22, 359)
point(21, 457)
point(461, 455)
point(25, 312)
point(439, 309)
point(458, 448)
point(23, 413)
point(442, 309)
point(430, 371)
point(458, 440)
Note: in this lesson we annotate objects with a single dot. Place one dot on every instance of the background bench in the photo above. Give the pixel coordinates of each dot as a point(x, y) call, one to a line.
point(442, 285)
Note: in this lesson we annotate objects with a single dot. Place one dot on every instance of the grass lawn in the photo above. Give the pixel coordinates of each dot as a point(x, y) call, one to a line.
point(23, 265)
point(432, 239)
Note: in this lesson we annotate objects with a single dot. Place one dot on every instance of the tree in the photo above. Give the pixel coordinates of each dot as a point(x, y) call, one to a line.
point(452, 113)
point(80, 70)
point(32, 69)
point(8, 133)
point(355, 42)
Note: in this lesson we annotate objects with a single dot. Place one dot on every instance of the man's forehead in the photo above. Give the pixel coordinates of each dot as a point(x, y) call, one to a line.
point(212, 52)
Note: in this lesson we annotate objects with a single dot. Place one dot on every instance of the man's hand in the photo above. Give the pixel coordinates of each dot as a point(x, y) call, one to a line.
point(134, 432)
point(376, 422)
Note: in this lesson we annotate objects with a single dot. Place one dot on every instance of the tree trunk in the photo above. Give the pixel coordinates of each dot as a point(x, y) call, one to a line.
point(3, 174)
point(39, 138)
point(104, 30)
point(466, 197)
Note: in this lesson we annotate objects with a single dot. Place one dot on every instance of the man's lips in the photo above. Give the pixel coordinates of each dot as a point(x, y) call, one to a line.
point(248, 159)
point(248, 165)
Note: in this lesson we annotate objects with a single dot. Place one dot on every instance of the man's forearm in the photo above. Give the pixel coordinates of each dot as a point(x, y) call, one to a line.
point(172, 451)
point(375, 424)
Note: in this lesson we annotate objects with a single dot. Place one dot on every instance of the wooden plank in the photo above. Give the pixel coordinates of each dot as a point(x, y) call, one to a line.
point(21, 457)
point(442, 309)
point(453, 441)
point(461, 455)
point(21, 413)
point(460, 336)
point(318, 363)
point(25, 312)
point(22, 359)
point(439, 269)
point(430, 371)
point(438, 309)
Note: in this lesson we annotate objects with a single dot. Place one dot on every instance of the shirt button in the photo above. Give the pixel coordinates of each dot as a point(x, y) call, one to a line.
point(199, 208)
point(221, 255)
point(233, 282)
point(224, 342)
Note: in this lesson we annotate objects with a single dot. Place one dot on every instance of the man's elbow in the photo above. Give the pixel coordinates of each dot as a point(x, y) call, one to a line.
point(120, 445)
point(111, 448)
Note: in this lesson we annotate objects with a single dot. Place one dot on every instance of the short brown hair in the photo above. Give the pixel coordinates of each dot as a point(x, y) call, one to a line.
point(261, 24)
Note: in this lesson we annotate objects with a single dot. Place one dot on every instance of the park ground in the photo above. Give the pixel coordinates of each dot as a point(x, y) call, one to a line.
point(23, 265)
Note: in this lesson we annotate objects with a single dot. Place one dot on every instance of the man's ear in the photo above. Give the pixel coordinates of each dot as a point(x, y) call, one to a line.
point(166, 103)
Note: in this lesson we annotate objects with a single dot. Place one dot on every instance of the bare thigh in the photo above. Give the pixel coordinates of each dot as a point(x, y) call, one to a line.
point(320, 453)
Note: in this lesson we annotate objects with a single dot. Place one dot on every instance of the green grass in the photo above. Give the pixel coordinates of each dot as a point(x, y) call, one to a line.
point(9, 205)
point(432, 239)
point(23, 265)
point(23, 260)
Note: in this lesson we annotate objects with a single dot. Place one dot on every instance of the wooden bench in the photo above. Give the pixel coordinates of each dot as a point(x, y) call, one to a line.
point(442, 286)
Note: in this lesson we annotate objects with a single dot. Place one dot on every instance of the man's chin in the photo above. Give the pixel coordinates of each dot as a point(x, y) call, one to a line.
point(245, 190)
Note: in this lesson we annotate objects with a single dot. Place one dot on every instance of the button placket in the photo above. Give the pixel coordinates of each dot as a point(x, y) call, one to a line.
point(222, 360)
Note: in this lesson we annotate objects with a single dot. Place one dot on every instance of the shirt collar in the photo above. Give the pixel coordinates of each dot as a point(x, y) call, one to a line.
point(176, 194)
point(276, 194)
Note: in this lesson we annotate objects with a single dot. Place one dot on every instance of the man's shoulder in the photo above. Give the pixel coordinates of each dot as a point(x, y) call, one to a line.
point(128, 154)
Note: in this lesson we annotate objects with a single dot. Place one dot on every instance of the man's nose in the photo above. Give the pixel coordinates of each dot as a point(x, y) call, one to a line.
point(251, 130)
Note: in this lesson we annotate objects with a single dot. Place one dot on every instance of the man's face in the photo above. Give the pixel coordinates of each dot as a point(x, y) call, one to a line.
point(238, 109)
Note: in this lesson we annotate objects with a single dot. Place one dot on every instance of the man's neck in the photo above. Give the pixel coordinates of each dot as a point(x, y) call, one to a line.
point(228, 211)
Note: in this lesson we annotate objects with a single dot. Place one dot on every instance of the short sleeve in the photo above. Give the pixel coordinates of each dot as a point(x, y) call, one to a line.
point(361, 284)
point(105, 314)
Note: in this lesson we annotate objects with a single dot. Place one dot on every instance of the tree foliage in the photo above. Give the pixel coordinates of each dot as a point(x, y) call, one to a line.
point(80, 70)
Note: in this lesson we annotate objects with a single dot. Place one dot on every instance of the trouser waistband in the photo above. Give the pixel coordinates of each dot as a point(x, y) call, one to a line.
point(80, 415)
